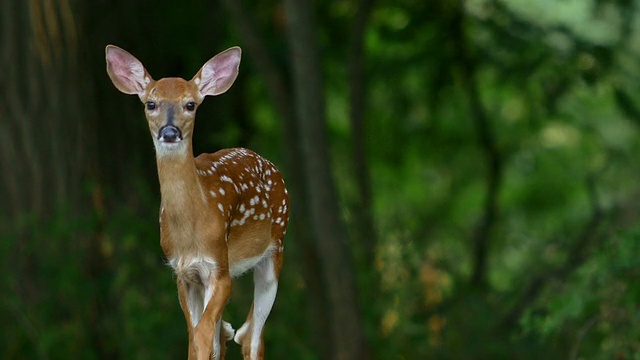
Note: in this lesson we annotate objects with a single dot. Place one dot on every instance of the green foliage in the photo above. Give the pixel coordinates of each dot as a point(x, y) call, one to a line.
point(40, 292)
point(88, 287)
point(596, 309)
point(558, 103)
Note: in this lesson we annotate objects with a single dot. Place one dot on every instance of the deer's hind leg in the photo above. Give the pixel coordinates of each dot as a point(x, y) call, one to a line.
point(266, 274)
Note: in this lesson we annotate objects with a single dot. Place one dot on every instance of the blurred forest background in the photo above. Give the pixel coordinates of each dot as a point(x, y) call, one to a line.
point(462, 175)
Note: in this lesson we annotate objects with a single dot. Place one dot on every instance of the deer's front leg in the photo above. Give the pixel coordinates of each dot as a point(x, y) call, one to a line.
point(217, 291)
point(183, 297)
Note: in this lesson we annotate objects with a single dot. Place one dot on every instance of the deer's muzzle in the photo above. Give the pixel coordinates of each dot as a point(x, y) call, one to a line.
point(169, 134)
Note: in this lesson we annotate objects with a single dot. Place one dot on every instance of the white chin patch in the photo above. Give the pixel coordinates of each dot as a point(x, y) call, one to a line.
point(169, 143)
point(169, 148)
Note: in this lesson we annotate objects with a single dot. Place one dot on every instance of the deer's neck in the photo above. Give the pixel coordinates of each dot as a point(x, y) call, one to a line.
point(179, 184)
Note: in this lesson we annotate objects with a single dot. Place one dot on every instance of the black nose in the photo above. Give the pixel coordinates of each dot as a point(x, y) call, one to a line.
point(169, 133)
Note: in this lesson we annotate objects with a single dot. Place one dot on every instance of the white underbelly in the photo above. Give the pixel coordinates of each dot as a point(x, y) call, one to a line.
point(240, 267)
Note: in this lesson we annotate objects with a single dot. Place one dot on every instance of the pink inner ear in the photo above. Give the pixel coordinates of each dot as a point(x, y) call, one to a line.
point(207, 79)
point(127, 70)
point(219, 73)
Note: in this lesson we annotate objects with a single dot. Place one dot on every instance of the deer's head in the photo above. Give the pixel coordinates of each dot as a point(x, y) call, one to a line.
point(171, 103)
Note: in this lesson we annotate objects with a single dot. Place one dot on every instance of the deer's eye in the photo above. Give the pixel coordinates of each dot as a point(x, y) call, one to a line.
point(190, 106)
point(151, 105)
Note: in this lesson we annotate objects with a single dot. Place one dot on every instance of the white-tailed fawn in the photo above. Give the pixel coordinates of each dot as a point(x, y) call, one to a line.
point(221, 214)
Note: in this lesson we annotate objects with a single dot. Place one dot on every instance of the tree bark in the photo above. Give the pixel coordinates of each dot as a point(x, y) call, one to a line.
point(45, 154)
point(366, 233)
point(346, 330)
point(35, 131)
point(47, 150)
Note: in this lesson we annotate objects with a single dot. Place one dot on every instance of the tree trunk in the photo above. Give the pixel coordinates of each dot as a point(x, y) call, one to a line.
point(254, 47)
point(47, 155)
point(43, 154)
point(331, 239)
point(366, 232)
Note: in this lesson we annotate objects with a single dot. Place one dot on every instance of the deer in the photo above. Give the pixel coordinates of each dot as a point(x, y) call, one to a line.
point(222, 214)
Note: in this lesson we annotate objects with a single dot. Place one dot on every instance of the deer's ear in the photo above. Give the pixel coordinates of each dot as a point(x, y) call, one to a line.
point(126, 72)
point(218, 74)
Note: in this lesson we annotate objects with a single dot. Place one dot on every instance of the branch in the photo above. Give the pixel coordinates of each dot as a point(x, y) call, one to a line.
point(575, 350)
point(481, 237)
point(578, 254)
